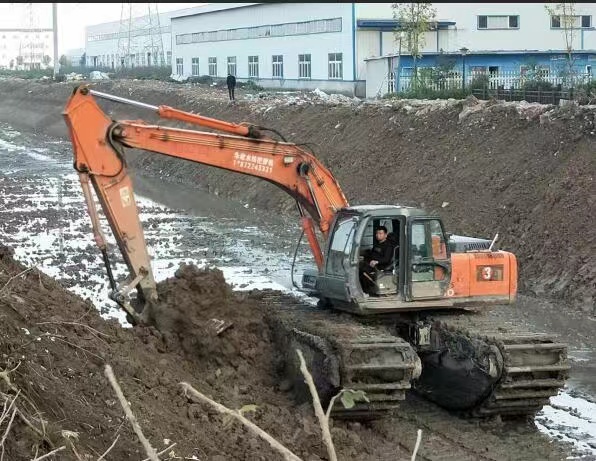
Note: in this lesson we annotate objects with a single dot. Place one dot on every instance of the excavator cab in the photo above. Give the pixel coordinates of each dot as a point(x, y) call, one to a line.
point(417, 277)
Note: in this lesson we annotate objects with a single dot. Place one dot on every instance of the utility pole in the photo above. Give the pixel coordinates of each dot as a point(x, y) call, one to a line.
point(55, 27)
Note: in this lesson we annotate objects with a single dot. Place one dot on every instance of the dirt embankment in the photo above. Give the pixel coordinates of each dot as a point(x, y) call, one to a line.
point(529, 177)
point(54, 347)
point(53, 352)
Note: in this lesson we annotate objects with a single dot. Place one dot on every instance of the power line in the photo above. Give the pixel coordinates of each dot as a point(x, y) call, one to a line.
point(140, 41)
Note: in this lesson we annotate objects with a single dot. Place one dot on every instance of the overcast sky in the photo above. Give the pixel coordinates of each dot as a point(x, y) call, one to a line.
point(72, 17)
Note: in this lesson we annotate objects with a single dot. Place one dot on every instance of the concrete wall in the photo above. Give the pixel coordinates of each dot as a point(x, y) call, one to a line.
point(31, 45)
point(534, 32)
point(102, 40)
point(376, 84)
point(318, 45)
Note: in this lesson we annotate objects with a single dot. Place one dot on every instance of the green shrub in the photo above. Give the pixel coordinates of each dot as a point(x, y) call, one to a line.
point(202, 79)
point(251, 85)
point(479, 82)
point(537, 85)
point(28, 74)
point(429, 93)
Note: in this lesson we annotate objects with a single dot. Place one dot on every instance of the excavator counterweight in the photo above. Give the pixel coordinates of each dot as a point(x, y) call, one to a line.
point(424, 323)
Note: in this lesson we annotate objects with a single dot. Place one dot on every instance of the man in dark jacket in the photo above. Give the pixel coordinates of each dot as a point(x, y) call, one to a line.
point(231, 81)
point(377, 259)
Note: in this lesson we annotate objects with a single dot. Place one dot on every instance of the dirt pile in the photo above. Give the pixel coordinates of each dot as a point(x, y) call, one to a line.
point(54, 348)
point(523, 170)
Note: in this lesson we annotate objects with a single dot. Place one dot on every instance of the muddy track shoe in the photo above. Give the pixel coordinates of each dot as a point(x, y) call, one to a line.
point(481, 367)
point(342, 353)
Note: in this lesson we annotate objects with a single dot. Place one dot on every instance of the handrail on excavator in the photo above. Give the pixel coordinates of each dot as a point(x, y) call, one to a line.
point(168, 112)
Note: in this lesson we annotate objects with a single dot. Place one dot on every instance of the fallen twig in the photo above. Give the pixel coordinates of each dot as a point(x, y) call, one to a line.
point(129, 414)
point(418, 439)
point(287, 454)
point(321, 416)
point(77, 324)
point(110, 448)
point(162, 451)
point(14, 412)
point(53, 452)
point(78, 347)
point(14, 277)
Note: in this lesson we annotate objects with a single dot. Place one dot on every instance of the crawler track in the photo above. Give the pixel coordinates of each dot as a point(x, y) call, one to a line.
point(520, 370)
point(342, 353)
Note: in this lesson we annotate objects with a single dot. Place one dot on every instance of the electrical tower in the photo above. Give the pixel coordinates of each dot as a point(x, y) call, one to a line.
point(140, 41)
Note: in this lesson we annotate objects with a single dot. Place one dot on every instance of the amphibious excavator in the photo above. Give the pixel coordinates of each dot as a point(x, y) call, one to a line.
point(424, 325)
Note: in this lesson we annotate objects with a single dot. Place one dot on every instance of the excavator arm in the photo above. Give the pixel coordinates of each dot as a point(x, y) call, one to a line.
point(99, 159)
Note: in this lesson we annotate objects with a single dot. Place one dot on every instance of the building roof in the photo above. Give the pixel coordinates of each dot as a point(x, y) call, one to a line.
point(21, 29)
point(209, 8)
point(392, 24)
point(499, 52)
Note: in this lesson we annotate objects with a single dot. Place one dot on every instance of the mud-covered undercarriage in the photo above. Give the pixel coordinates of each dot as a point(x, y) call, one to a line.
point(467, 362)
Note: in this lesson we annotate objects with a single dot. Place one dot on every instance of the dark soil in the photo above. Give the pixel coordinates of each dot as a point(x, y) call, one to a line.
point(505, 179)
point(58, 346)
point(530, 181)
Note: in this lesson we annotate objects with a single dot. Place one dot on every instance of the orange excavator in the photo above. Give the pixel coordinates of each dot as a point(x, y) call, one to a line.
point(423, 325)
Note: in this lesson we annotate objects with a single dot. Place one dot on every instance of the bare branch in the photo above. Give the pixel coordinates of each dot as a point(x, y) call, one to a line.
point(287, 454)
point(162, 451)
point(109, 373)
point(14, 277)
point(323, 420)
point(110, 448)
point(418, 439)
point(14, 412)
point(77, 324)
point(47, 455)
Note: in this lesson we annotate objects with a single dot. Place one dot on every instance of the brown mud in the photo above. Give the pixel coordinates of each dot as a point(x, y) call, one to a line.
point(525, 174)
point(493, 172)
point(55, 347)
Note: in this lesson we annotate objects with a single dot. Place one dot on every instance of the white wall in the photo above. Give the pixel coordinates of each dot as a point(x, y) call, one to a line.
point(376, 81)
point(317, 45)
point(31, 45)
point(109, 46)
point(534, 31)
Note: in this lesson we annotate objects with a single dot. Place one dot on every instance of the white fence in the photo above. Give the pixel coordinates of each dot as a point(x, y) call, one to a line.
point(434, 80)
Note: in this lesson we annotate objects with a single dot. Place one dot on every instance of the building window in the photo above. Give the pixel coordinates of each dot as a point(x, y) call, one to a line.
point(169, 58)
point(213, 67)
point(278, 66)
point(179, 66)
point(574, 22)
point(317, 26)
point(533, 72)
point(232, 65)
point(253, 67)
point(335, 66)
point(304, 66)
point(498, 22)
point(195, 66)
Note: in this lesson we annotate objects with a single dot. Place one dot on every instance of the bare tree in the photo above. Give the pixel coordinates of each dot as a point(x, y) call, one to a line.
point(563, 16)
point(415, 19)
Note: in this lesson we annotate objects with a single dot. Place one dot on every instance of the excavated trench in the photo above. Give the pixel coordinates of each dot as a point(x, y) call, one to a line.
point(45, 222)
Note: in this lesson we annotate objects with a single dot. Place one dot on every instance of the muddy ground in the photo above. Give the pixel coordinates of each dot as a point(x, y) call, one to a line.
point(527, 174)
point(521, 193)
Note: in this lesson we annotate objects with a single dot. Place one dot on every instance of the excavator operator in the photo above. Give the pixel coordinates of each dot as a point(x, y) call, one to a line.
point(377, 259)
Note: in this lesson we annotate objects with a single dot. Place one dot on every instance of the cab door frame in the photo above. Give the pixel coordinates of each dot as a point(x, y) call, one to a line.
point(426, 264)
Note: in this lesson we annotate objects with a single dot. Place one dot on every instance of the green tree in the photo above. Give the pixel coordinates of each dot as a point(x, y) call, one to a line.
point(12, 63)
point(563, 15)
point(415, 19)
point(83, 60)
point(63, 61)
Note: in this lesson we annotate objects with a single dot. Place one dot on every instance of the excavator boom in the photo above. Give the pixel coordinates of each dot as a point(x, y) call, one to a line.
point(466, 363)
point(99, 160)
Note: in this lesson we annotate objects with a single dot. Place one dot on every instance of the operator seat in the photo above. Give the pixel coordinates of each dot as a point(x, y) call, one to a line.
point(386, 279)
